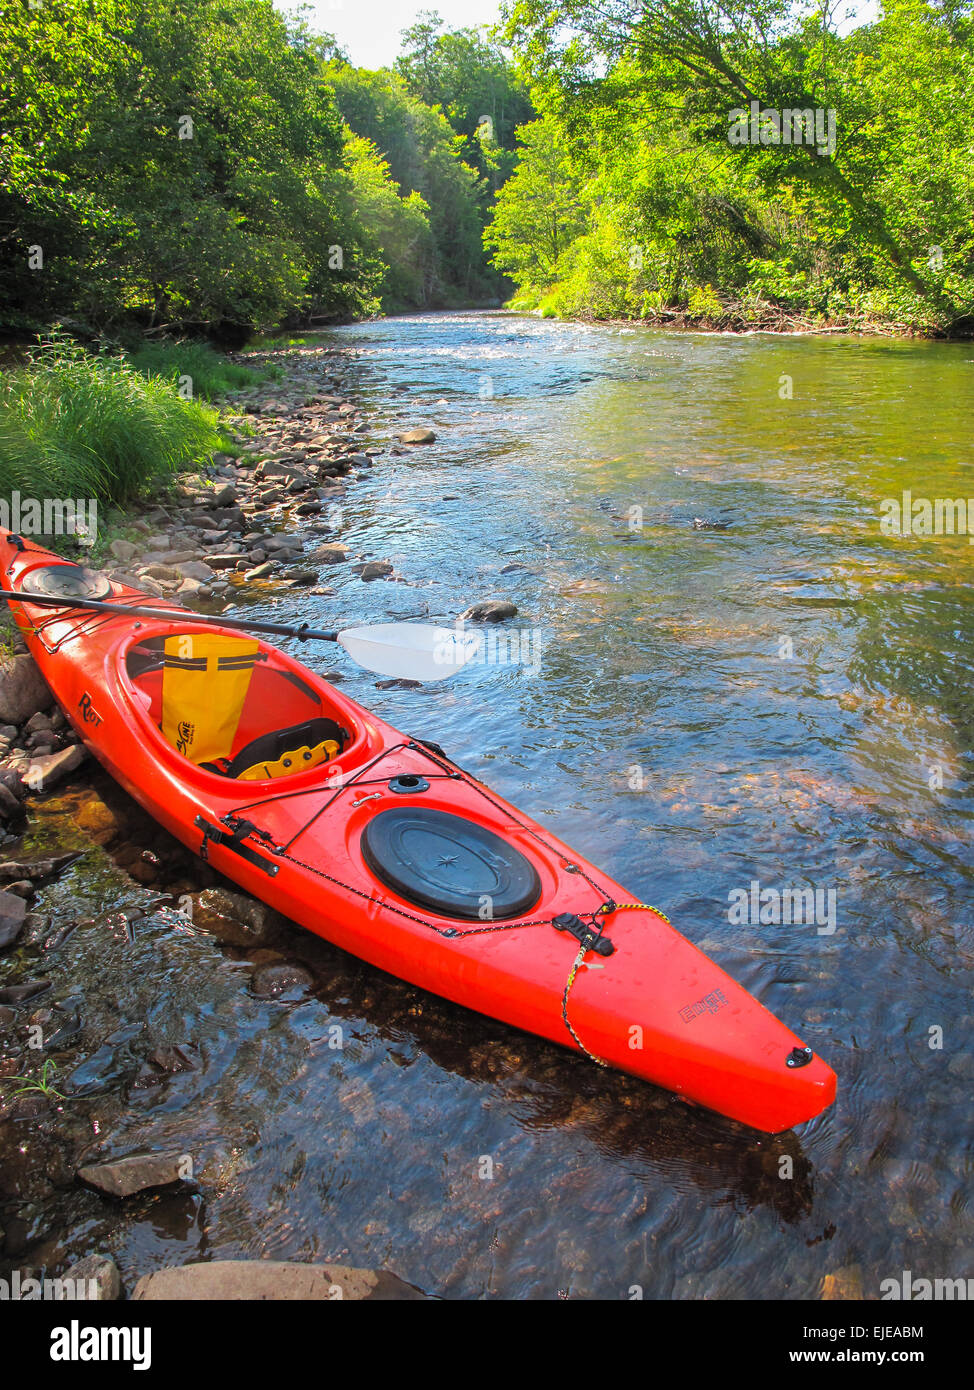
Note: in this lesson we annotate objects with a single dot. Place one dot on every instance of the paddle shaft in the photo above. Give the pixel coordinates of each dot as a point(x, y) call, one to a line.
point(172, 615)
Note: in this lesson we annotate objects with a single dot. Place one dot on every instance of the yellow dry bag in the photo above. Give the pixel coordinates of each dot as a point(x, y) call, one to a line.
point(204, 684)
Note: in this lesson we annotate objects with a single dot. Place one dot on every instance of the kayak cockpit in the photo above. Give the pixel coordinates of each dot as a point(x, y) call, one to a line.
point(235, 707)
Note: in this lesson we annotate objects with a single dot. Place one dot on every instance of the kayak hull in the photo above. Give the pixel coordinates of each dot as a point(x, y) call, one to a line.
point(655, 1007)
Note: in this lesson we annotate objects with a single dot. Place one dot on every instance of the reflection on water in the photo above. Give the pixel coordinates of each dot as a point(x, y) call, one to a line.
point(787, 700)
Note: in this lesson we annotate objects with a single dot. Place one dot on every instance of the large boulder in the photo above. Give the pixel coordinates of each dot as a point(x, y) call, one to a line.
point(272, 1279)
point(23, 690)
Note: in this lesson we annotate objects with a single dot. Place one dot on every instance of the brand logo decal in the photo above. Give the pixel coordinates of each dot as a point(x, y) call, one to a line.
point(88, 712)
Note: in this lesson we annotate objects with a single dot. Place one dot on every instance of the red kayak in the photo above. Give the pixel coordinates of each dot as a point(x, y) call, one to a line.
point(380, 843)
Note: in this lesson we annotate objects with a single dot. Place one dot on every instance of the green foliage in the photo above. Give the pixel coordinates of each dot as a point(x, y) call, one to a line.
point(196, 368)
point(42, 1085)
point(182, 163)
point(396, 230)
point(468, 77)
point(78, 425)
point(639, 102)
point(423, 156)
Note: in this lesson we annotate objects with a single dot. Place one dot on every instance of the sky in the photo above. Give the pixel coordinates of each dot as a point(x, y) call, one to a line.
point(369, 30)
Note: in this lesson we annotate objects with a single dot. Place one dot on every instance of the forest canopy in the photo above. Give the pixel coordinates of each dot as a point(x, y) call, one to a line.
point(214, 167)
point(744, 159)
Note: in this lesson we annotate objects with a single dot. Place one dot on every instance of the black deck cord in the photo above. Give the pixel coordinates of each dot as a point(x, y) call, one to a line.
point(596, 917)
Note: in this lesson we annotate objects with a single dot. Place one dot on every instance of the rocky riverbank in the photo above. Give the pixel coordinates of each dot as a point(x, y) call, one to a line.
point(257, 523)
point(251, 525)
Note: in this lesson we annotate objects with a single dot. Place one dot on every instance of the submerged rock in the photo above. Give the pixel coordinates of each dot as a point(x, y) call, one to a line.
point(37, 868)
point(273, 1279)
point(273, 981)
point(236, 918)
point(125, 1176)
point(13, 910)
point(491, 610)
point(21, 992)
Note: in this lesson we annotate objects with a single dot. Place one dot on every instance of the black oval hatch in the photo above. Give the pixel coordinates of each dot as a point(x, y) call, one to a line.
point(66, 581)
point(449, 865)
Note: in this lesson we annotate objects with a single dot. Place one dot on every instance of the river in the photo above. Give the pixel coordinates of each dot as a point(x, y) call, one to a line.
point(782, 696)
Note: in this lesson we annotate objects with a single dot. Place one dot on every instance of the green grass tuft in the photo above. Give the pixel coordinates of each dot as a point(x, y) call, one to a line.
point(78, 425)
point(197, 368)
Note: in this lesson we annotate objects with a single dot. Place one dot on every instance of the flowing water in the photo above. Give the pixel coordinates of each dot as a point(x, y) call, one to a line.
point(785, 701)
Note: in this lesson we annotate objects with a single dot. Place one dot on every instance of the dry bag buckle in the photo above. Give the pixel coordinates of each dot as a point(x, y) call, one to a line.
point(587, 933)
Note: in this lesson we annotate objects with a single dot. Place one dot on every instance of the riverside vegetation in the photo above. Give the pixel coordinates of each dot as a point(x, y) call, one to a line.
point(211, 169)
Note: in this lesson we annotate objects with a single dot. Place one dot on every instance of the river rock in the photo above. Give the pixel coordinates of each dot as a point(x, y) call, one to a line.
point(10, 807)
point(271, 981)
point(195, 569)
point(235, 918)
point(375, 569)
point(97, 1274)
point(491, 610)
point(13, 910)
point(123, 1176)
point(245, 1280)
point(47, 771)
point(37, 868)
point(418, 436)
point(20, 993)
point(330, 554)
point(23, 690)
point(123, 550)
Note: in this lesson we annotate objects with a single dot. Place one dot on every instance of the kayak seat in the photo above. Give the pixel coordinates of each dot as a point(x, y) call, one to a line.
point(284, 752)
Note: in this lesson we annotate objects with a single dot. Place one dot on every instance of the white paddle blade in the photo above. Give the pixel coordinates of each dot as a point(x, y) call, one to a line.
point(410, 651)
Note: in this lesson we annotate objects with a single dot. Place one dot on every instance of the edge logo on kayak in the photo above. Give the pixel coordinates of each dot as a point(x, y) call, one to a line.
point(88, 712)
point(709, 1004)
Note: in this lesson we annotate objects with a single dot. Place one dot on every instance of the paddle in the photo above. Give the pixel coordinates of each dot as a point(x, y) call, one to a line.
point(410, 651)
